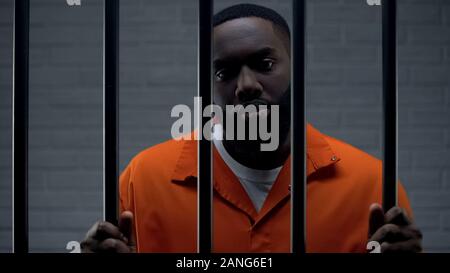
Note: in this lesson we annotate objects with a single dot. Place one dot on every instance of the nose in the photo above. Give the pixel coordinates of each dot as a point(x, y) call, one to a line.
point(248, 87)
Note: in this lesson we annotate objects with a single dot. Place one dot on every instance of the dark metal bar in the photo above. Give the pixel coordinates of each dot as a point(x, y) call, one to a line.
point(390, 176)
point(204, 235)
point(20, 125)
point(298, 189)
point(111, 109)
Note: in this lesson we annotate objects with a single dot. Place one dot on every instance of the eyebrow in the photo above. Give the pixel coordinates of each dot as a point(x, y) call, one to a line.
point(258, 54)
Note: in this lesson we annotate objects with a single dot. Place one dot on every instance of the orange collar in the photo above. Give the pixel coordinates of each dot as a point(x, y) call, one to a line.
point(318, 151)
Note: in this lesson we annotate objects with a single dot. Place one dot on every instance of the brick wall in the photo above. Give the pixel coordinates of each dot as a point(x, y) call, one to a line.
point(158, 69)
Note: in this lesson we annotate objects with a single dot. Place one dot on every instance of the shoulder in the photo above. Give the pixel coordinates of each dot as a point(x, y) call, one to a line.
point(157, 162)
point(149, 173)
point(165, 152)
point(357, 170)
point(354, 158)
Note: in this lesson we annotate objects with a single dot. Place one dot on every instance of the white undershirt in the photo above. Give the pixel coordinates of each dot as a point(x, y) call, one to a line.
point(257, 183)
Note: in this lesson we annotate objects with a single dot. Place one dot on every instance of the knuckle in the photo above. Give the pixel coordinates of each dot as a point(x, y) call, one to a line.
point(385, 246)
point(390, 228)
point(109, 244)
point(101, 226)
point(397, 210)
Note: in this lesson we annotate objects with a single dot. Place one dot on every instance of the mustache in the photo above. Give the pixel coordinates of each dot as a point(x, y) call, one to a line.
point(284, 101)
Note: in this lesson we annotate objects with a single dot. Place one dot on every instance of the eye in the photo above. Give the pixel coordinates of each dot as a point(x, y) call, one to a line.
point(266, 65)
point(225, 73)
point(220, 75)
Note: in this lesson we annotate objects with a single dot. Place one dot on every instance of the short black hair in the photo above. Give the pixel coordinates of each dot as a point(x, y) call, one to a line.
point(251, 10)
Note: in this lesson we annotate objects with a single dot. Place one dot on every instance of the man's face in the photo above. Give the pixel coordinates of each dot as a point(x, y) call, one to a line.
point(251, 63)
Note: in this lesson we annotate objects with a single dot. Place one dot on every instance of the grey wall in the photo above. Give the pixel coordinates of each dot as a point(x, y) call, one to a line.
point(158, 70)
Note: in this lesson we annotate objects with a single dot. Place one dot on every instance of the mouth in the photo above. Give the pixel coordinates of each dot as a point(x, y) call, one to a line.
point(262, 112)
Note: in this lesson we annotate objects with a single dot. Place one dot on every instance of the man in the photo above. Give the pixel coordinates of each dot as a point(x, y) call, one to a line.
point(158, 195)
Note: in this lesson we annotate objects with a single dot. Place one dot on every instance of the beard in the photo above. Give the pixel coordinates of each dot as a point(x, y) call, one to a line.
point(248, 150)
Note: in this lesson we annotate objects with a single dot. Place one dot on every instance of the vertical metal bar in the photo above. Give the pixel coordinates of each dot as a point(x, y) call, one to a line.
point(204, 230)
point(111, 109)
point(390, 176)
point(298, 140)
point(20, 125)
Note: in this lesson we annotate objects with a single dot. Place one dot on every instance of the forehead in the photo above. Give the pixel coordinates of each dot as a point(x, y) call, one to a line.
point(243, 36)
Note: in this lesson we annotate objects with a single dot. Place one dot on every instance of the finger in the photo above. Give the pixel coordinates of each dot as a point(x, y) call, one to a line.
point(376, 218)
point(113, 245)
point(392, 233)
point(397, 216)
point(410, 246)
point(126, 226)
point(388, 232)
point(103, 230)
point(88, 245)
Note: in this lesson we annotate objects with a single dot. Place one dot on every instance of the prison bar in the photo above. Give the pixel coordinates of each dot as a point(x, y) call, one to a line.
point(298, 173)
point(20, 126)
point(390, 114)
point(111, 109)
point(204, 186)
